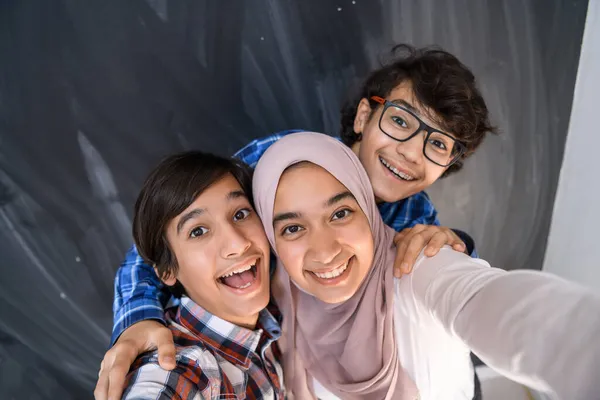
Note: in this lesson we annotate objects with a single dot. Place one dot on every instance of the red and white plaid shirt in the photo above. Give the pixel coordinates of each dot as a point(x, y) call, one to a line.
point(215, 359)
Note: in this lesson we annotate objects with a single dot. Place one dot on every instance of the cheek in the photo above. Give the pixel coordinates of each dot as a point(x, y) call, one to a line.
point(361, 239)
point(291, 255)
point(194, 260)
point(256, 233)
point(433, 173)
point(373, 142)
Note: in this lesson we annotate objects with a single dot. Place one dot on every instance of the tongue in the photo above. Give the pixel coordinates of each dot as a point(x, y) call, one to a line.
point(239, 280)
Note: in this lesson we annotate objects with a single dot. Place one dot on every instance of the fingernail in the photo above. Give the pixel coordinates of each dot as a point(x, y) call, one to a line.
point(404, 266)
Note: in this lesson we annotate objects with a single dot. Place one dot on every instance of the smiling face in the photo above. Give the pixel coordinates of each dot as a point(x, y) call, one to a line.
point(396, 169)
point(322, 236)
point(222, 253)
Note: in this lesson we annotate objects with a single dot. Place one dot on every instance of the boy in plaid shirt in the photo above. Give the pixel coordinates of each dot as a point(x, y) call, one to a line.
point(195, 224)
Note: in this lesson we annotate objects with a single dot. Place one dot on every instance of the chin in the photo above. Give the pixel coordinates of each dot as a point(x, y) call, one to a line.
point(389, 196)
point(336, 299)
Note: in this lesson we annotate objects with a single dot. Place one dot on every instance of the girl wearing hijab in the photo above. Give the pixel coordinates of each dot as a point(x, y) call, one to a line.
point(353, 331)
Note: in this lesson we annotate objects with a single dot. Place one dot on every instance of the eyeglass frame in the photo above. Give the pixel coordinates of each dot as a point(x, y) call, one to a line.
point(422, 127)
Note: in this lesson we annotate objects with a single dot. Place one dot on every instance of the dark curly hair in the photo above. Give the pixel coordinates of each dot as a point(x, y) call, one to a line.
point(440, 82)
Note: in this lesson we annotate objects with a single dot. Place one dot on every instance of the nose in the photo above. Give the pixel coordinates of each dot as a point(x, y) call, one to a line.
point(234, 242)
point(324, 247)
point(412, 149)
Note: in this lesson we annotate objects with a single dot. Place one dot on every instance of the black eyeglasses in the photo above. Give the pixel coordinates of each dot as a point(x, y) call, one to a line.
point(401, 124)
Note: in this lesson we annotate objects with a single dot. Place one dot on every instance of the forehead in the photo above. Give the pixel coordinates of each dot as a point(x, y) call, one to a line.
point(215, 196)
point(306, 185)
point(404, 91)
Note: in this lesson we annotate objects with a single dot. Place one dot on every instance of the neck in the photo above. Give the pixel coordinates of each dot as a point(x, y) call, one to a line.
point(356, 149)
point(245, 322)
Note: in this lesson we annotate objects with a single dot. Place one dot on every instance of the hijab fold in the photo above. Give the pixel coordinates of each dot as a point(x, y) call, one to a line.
point(349, 347)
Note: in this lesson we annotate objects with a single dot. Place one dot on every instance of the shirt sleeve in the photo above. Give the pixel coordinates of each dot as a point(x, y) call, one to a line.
point(139, 294)
point(423, 210)
point(253, 151)
point(533, 327)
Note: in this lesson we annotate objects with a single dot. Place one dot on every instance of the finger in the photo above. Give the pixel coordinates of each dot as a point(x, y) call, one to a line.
point(436, 243)
point(459, 247)
point(400, 236)
point(166, 350)
point(117, 375)
point(417, 243)
point(101, 368)
point(101, 390)
point(457, 243)
point(399, 260)
point(420, 228)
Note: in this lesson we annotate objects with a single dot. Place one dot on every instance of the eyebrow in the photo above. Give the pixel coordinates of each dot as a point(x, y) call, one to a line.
point(406, 104)
point(339, 197)
point(234, 194)
point(328, 203)
point(196, 212)
point(412, 108)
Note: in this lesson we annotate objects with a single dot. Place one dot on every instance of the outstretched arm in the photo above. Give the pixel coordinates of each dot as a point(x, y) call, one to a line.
point(533, 327)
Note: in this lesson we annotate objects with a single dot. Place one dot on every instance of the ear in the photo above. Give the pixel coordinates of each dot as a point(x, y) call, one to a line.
point(363, 112)
point(168, 279)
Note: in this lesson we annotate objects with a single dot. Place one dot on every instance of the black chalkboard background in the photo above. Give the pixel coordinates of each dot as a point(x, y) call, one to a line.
point(93, 93)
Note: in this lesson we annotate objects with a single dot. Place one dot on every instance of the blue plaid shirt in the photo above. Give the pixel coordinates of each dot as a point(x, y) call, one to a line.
point(140, 295)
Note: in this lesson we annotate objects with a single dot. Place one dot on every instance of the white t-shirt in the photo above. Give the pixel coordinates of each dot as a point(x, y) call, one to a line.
point(514, 321)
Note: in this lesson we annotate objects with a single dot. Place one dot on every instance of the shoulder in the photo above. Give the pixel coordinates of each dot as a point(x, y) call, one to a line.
point(441, 285)
point(195, 376)
point(445, 269)
point(251, 153)
point(408, 212)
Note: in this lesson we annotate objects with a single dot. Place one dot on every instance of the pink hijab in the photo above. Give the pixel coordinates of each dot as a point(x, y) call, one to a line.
point(350, 347)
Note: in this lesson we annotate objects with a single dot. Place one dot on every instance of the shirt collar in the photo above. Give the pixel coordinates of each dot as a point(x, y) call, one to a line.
point(233, 342)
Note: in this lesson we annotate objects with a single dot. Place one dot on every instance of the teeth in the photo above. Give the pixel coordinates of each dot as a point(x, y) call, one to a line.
point(398, 173)
point(245, 286)
point(238, 271)
point(332, 274)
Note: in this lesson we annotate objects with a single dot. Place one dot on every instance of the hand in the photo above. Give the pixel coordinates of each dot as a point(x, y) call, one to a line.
point(410, 241)
point(137, 339)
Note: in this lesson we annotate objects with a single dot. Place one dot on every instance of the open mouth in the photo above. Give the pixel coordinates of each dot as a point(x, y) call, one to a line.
point(397, 173)
point(336, 275)
point(242, 278)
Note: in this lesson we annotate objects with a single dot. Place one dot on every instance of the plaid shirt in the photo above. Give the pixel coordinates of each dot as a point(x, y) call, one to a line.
point(215, 359)
point(139, 294)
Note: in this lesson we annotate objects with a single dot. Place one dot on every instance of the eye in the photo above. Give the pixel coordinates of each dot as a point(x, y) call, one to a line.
point(439, 144)
point(400, 121)
point(291, 230)
point(241, 214)
point(197, 232)
point(341, 214)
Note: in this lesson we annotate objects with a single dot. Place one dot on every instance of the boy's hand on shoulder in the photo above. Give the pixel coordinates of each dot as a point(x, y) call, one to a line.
point(410, 241)
point(137, 339)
